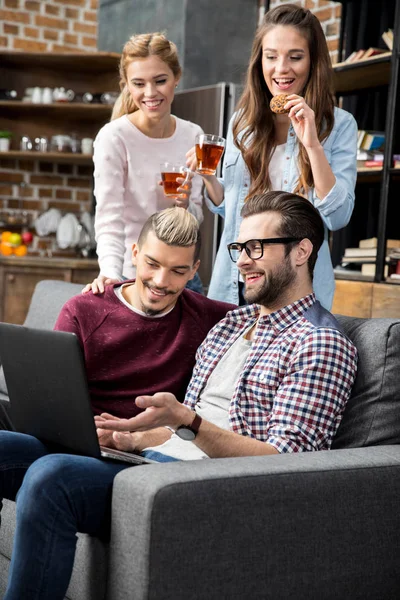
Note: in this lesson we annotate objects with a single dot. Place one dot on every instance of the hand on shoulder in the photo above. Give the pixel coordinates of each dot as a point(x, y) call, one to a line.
point(97, 286)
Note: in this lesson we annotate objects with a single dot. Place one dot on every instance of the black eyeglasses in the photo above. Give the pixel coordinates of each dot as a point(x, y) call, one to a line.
point(255, 248)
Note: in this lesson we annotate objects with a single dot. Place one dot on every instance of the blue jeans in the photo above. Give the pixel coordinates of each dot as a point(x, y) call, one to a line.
point(57, 495)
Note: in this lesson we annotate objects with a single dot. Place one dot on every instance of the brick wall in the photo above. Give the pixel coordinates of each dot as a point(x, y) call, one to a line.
point(34, 186)
point(329, 14)
point(45, 25)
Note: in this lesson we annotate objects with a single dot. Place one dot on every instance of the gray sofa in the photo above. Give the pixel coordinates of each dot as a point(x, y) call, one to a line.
point(309, 526)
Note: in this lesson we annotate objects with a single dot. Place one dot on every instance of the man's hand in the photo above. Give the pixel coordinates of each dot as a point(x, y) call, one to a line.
point(105, 435)
point(127, 441)
point(161, 409)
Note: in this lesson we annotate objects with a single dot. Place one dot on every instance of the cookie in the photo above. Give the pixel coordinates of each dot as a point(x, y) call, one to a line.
point(277, 103)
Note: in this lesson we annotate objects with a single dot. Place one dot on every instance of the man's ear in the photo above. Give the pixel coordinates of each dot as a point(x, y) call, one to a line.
point(135, 252)
point(194, 269)
point(303, 251)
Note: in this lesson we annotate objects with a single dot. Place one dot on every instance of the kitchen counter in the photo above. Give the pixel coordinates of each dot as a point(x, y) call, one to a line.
point(50, 262)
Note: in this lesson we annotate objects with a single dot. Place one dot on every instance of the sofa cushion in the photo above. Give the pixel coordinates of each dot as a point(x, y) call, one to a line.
point(372, 414)
point(89, 577)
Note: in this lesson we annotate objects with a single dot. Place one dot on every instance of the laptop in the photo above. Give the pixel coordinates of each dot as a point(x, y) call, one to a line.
point(49, 394)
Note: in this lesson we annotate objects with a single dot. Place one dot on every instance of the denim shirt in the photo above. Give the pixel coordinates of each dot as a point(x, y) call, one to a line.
point(335, 209)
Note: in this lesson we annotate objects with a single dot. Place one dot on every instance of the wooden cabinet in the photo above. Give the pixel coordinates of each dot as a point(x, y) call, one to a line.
point(377, 210)
point(19, 276)
point(94, 72)
point(366, 299)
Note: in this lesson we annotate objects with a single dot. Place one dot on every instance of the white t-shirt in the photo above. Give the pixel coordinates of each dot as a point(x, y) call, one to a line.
point(126, 174)
point(214, 401)
point(276, 167)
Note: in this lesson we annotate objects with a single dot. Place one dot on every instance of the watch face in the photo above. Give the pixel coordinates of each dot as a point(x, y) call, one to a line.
point(185, 433)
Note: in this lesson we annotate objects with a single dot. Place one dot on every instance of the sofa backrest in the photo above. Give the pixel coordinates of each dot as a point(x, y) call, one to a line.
point(372, 414)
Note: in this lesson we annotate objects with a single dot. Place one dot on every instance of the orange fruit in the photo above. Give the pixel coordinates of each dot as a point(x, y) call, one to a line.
point(5, 249)
point(21, 250)
point(5, 236)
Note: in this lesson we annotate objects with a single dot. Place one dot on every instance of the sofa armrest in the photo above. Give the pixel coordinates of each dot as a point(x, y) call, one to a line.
point(315, 525)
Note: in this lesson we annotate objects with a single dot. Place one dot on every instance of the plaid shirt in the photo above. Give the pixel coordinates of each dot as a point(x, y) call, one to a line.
point(296, 380)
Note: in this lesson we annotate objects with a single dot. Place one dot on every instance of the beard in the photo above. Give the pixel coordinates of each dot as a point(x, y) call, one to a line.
point(274, 287)
point(148, 309)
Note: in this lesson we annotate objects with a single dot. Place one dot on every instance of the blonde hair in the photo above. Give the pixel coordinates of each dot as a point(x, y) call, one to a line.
point(175, 227)
point(143, 45)
point(253, 127)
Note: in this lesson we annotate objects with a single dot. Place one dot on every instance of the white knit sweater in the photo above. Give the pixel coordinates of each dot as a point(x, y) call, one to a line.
point(126, 173)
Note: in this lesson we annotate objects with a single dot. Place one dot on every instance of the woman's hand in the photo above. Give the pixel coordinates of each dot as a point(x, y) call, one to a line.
point(97, 285)
point(184, 191)
point(213, 186)
point(303, 121)
point(191, 159)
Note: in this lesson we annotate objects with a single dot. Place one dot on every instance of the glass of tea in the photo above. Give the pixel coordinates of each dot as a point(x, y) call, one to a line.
point(209, 149)
point(169, 175)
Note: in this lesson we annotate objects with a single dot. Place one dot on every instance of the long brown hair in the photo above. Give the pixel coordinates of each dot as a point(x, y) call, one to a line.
point(253, 127)
point(142, 46)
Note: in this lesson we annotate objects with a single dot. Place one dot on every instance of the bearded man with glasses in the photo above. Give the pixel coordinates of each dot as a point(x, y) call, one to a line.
point(273, 376)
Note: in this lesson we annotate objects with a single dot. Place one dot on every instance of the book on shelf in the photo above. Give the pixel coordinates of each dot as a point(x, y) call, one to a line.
point(354, 56)
point(370, 269)
point(387, 37)
point(351, 57)
point(372, 52)
point(396, 161)
point(357, 252)
point(360, 136)
point(373, 140)
point(373, 164)
point(373, 243)
point(369, 155)
point(358, 260)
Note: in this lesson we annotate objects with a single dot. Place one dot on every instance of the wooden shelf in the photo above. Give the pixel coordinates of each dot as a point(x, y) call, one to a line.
point(352, 275)
point(90, 62)
point(369, 170)
point(53, 262)
point(94, 72)
point(366, 175)
point(55, 157)
point(368, 73)
point(57, 110)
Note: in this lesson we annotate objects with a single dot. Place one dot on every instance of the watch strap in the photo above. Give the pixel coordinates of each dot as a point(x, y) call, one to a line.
point(195, 426)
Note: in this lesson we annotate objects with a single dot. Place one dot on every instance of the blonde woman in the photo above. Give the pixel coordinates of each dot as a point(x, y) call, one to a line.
point(128, 152)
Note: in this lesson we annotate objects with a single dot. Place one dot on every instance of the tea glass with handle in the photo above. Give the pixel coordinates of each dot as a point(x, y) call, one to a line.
point(209, 149)
point(169, 174)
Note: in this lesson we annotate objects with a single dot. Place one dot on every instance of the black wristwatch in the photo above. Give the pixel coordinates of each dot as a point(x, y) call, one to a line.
point(189, 432)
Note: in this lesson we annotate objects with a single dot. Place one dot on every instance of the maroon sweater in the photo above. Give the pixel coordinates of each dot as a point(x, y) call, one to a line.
point(127, 354)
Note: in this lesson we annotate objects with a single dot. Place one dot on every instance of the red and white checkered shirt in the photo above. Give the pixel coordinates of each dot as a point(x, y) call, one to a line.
point(296, 380)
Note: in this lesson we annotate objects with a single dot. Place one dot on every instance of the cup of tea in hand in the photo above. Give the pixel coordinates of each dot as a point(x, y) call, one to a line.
point(169, 175)
point(209, 149)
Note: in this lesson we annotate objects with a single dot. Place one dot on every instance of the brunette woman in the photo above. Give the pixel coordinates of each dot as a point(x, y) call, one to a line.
point(310, 150)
